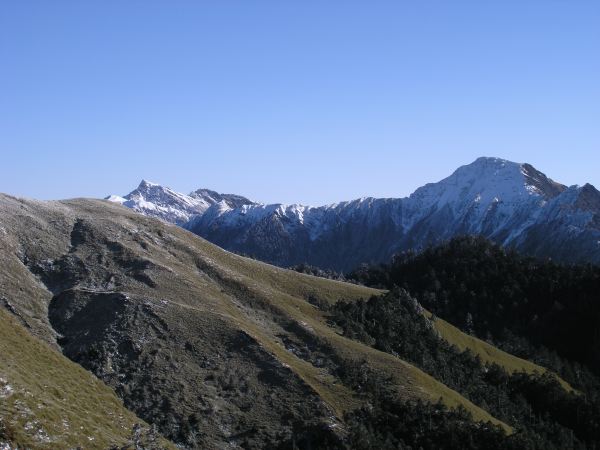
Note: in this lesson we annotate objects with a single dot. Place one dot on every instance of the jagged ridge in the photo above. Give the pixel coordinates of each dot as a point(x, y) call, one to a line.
point(513, 204)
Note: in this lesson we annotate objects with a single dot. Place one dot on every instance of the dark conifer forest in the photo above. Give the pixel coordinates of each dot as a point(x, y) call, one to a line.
point(539, 310)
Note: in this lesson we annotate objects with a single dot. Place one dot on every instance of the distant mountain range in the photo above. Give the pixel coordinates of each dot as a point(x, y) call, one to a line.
point(513, 204)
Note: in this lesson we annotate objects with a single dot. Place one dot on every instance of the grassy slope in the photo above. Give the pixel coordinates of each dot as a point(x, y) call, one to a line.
point(54, 403)
point(287, 291)
point(488, 353)
point(300, 285)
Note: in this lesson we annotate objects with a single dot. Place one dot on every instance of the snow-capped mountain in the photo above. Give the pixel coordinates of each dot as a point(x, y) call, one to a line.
point(513, 204)
point(155, 200)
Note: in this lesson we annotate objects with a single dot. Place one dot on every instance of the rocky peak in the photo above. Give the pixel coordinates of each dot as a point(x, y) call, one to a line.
point(213, 197)
point(588, 199)
point(541, 183)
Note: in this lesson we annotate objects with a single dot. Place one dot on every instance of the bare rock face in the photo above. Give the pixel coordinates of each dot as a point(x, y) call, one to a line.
point(513, 204)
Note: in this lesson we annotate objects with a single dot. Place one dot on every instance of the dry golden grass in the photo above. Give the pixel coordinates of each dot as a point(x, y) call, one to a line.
point(54, 403)
point(287, 291)
point(488, 353)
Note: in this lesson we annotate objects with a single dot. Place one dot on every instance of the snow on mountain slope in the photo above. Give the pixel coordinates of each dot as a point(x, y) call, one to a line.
point(491, 196)
point(212, 197)
point(511, 203)
point(155, 200)
point(486, 182)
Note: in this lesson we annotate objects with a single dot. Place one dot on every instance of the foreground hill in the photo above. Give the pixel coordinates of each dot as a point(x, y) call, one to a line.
point(513, 204)
point(214, 349)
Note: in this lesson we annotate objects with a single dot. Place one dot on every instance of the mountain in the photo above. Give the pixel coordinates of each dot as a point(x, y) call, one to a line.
point(154, 200)
point(213, 349)
point(513, 204)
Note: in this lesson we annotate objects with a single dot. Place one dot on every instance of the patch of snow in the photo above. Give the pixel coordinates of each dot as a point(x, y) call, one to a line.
point(116, 199)
point(533, 190)
point(174, 207)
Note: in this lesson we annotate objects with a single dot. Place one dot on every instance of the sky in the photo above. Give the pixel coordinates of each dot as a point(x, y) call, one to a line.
point(292, 101)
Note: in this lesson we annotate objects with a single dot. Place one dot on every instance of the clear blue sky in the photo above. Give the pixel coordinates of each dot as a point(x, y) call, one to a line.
point(293, 101)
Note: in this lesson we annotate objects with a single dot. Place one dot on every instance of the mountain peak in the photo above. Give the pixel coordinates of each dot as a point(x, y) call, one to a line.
point(145, 184)
point(485, 181)
point(588, 198)
point(540, 182)
point(213, 197)
point(156, 200)
point(489, 160)
point(488, 163)
point(504, 175)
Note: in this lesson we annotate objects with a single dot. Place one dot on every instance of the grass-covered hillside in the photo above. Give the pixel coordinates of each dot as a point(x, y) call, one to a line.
point(49, 402)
